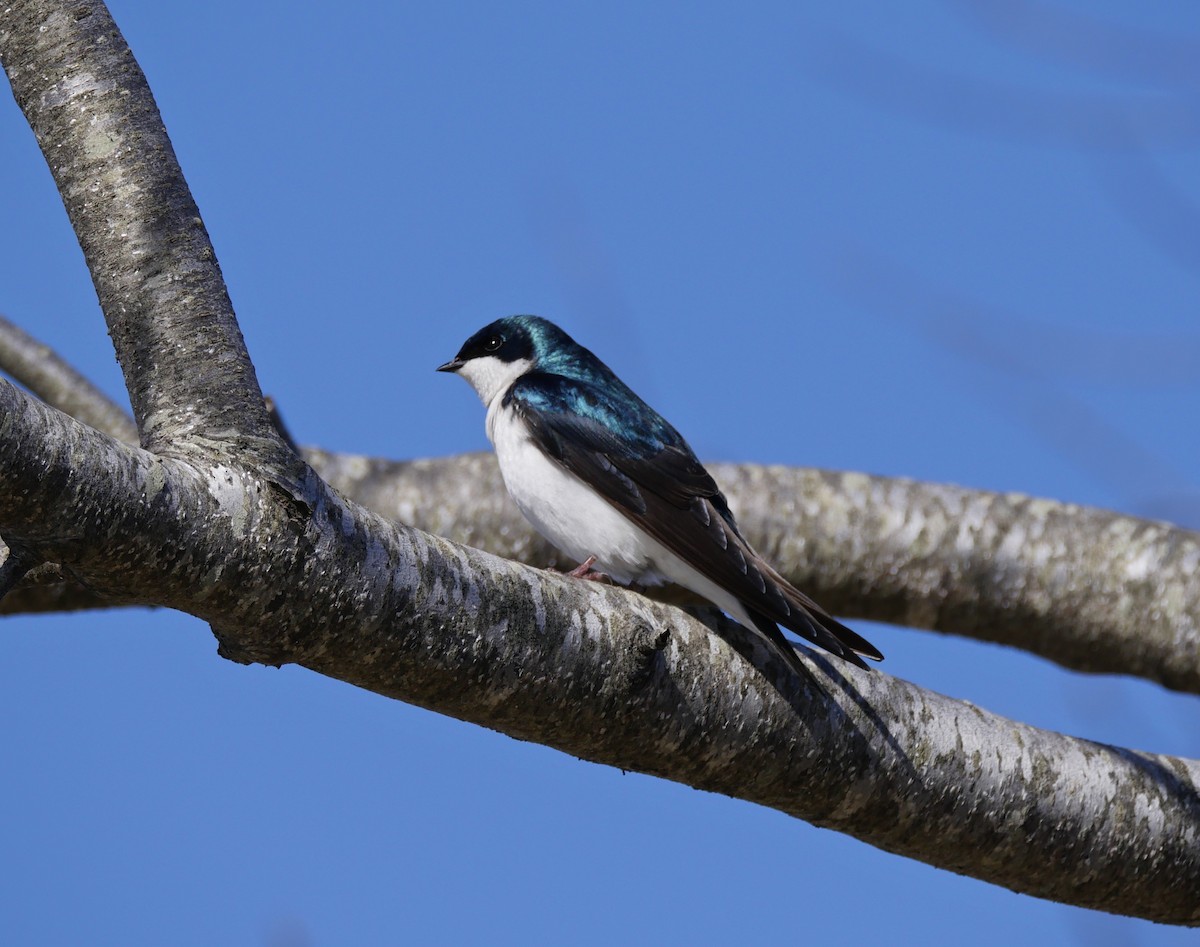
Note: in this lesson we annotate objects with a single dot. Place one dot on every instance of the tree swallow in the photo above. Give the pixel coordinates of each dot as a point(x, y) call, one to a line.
point(608, 481)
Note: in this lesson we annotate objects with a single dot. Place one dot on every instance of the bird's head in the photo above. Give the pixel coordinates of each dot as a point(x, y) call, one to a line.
point(501, 352)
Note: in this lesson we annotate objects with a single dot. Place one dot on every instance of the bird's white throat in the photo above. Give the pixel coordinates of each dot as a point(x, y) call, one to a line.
point(490, 377)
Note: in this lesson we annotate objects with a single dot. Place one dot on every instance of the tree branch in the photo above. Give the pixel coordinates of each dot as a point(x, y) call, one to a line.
point(1092, 590)
point(603, 673)
point(1001, 568)
point(44, 372)
point(189, 376)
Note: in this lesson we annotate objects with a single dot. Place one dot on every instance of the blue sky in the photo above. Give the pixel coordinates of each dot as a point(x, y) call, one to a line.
point(946, 240)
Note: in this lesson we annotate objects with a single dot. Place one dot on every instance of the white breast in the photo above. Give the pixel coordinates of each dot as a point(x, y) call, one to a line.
point(569, 514)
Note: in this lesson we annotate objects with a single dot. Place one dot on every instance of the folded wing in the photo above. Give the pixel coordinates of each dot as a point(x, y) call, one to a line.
point(648, 472)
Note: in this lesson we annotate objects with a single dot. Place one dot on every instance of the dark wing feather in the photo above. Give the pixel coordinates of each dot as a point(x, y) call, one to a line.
point(649, 473)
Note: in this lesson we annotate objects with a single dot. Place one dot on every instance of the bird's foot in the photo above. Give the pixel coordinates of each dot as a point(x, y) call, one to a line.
point(585, 571)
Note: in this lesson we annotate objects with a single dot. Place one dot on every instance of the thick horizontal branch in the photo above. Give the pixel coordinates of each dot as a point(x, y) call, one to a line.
point(601, 672)
point(189, 376)
point(1090, 589)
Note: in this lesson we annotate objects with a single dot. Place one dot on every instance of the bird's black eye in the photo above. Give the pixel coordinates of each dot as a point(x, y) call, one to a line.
point(493, 342)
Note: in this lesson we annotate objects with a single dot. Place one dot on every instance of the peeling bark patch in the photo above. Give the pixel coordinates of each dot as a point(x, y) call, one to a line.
point(225, 485)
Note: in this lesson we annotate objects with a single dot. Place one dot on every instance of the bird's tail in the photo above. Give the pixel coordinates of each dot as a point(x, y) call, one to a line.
point(826, 632)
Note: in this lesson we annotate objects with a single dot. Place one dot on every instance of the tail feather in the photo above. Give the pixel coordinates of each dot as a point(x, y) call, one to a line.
point(821, 630)
point(799, 613)
point(849, 637)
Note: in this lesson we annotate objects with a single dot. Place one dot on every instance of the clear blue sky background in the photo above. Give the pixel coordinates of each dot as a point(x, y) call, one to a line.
point(948, 240)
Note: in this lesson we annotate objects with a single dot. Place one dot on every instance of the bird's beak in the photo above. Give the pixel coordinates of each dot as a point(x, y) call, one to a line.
point(451, 366)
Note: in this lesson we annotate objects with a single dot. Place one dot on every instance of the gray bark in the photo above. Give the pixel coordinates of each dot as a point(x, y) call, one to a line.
point(215, 516)
point(1090, 589)
point(1093, 590)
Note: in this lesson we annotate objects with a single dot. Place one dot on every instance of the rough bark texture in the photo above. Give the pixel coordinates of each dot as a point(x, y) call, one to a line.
point(215, 516)
point(603, 673)
point(1090, 589)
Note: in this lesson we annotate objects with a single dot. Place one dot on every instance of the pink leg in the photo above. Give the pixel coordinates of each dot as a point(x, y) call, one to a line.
point(584, 571)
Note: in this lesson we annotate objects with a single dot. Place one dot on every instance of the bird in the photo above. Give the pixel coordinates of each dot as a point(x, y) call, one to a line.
point(610, 483)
